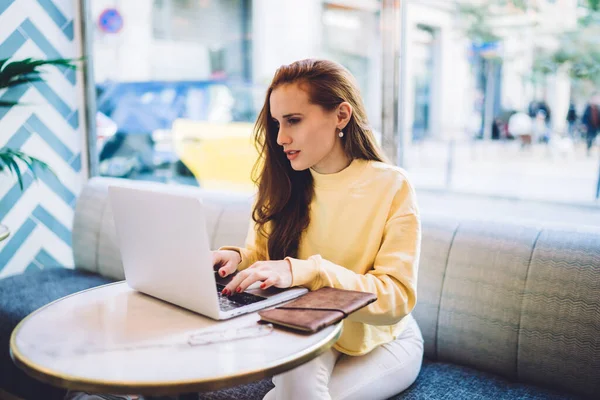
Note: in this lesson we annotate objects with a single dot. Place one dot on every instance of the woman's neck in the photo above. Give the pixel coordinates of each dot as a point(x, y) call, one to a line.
point(333, 163)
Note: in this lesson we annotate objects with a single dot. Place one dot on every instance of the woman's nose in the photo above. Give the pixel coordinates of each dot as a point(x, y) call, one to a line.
point(282, 138)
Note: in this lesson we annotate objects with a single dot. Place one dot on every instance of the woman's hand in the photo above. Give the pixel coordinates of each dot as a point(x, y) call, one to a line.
point(270, 273)
point(226, 261)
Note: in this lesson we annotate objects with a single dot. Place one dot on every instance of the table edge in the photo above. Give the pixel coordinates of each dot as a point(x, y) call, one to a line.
point(164, 388)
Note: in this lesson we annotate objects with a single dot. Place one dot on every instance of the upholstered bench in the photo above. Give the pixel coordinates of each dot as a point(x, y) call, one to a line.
point(507, 311)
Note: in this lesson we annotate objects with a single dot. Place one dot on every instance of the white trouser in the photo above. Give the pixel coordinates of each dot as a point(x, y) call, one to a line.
point(88, 396)
point(385, 371)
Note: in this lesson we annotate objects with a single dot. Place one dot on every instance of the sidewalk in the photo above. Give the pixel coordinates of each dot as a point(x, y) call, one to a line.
point(503, 169)
point(481, 207)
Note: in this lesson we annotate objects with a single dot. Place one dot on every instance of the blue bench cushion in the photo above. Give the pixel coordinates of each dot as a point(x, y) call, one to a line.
point(22, 294)
point(437, 381)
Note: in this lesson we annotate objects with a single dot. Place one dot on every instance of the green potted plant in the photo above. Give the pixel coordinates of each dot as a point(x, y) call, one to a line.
point(13, 74)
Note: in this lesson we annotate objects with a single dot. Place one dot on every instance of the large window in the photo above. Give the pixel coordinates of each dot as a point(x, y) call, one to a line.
point(485, 107)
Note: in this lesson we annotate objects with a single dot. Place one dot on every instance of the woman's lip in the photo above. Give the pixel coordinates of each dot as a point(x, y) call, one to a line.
point(292, 156)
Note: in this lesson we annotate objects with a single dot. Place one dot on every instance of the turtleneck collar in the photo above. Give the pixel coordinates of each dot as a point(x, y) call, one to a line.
point(339, 179)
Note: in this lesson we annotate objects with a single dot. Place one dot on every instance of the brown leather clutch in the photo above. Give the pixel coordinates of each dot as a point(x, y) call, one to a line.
point(316, 310)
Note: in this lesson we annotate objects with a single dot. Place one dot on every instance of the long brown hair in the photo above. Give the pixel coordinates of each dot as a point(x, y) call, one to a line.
point(281, 210)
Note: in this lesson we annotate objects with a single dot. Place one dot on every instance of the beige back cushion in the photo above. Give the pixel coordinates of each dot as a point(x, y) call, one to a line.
point(519, 301)
point(514, 300)
point(95, 247)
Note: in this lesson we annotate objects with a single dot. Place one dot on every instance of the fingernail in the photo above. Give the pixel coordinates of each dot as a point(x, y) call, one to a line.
point(262, 286)
point(224, 291)
point(239, 289)
point(222, 273)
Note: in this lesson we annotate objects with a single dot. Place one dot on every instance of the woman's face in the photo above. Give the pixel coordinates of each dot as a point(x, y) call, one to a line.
point(308, 134)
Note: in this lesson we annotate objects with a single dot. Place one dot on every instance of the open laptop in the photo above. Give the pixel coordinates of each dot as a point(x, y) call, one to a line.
point(165, 251)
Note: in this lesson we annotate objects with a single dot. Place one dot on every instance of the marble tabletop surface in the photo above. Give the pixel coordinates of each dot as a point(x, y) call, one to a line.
point(112, 339)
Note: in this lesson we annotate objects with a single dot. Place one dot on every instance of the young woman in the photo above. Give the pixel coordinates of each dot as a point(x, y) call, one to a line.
point(331, 213)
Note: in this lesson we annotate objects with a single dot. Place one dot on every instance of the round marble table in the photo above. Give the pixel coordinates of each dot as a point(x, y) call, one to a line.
point(112, 339)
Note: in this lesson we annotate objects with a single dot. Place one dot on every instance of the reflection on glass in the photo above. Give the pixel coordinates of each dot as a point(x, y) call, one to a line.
point(495, 94)
point(180, 86)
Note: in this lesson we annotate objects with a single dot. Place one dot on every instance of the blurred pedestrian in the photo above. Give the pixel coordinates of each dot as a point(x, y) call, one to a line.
point(591, 121)
point(543, 106)
point(572, 121)
point(520, 126)
point(541, 129)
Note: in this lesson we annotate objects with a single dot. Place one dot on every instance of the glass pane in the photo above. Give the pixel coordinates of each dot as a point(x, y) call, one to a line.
point(180, 85)
point(499, 98)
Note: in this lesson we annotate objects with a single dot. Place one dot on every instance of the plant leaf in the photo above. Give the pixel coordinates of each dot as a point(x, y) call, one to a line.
point(23, 71)
point(17, 171)
point(8, 103)
point(12, 166)
point(9, 158)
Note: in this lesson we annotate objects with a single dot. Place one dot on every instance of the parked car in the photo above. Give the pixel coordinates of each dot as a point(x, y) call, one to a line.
point(141, 115)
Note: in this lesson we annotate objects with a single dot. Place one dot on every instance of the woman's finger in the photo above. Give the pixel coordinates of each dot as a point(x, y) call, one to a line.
point(256, 265)
point(235, 282)
point(229, 268)
point(250, 279)
point(268, 283)
point(216, 258)
point(226, 261)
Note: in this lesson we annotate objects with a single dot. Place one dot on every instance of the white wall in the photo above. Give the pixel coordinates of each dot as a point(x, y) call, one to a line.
point(283, 31)
point(170, 60)
point(124, 55)
point(517, 88)
point(452, 91)
point(134, 54)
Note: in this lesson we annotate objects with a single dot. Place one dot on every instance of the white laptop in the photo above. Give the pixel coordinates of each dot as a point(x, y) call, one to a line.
point(165, 251)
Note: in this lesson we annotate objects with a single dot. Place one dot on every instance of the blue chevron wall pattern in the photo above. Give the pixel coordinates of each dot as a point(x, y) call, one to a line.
point(48, 126)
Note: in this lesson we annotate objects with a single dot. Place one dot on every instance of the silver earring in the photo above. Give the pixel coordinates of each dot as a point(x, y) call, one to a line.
point(341, 134)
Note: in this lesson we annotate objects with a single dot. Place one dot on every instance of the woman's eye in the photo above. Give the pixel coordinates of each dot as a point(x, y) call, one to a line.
point(293, 121)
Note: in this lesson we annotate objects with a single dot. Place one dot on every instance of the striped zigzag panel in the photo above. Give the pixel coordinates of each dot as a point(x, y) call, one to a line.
point(46, 125)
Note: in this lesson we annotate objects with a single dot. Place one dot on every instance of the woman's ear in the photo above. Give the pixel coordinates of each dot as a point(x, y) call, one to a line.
point(344, 112)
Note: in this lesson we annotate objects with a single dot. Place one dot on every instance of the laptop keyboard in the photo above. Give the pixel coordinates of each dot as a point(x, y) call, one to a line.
point(227, 303)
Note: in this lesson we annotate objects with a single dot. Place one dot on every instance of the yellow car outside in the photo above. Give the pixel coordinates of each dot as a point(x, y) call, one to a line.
point(220, 155)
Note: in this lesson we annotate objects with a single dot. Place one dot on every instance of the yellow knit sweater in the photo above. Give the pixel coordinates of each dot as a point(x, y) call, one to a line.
point(364, 234)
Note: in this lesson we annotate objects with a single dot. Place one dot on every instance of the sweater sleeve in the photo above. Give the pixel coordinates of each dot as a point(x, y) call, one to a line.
point(255, 248)
point(393, 277)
